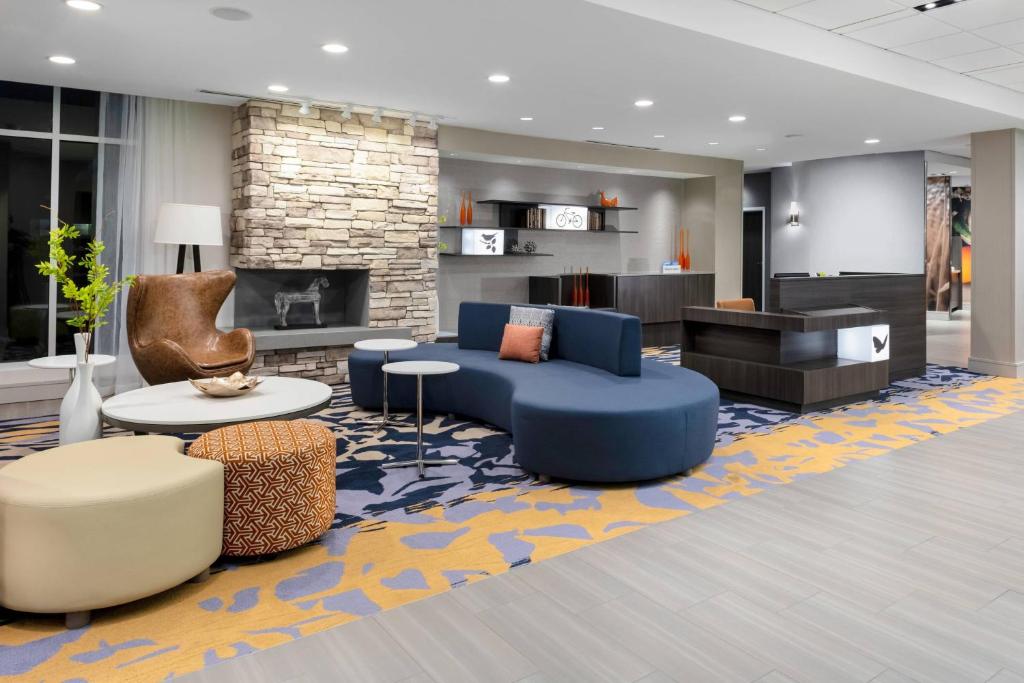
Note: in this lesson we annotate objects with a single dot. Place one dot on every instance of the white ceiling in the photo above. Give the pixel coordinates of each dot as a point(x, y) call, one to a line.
point(983, 39)
point(574, 64)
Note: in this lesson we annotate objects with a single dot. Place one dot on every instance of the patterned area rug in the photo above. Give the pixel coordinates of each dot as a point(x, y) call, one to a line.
point(397, 538)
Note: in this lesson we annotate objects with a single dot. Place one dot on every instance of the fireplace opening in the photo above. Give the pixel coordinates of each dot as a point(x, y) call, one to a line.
point(301, 299)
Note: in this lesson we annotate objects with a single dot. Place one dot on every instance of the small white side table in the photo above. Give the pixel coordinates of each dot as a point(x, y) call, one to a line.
point(386, 346)
point(420, 368)
point(69, 362)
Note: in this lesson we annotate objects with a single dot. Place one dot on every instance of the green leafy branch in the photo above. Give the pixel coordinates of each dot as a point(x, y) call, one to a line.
point(90, 301)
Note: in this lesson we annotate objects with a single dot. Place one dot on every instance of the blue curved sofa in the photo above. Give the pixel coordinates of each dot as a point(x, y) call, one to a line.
point(596, 412)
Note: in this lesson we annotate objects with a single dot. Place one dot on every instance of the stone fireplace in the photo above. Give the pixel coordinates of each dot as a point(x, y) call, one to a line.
point(320, 193)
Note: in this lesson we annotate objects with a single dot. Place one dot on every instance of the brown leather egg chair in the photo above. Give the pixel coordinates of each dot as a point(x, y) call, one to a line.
point(171, 330)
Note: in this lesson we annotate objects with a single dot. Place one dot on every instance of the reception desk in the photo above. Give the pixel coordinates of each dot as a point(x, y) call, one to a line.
point(655, 298)
point(800, 361)
point(900, 298)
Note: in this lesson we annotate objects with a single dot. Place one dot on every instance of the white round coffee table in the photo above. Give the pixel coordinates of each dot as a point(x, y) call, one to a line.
point(178, 407)
point(385, 346)
point(420, 368)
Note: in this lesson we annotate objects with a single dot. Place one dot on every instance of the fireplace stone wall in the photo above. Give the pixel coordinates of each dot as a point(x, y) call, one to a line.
point(319, 191)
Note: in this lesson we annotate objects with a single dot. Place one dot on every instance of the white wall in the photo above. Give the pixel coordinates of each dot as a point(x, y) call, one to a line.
point(862, 213)
point(659, 202)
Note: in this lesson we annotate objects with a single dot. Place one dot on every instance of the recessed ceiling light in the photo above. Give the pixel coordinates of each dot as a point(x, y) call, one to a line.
point(737, 118)
point(526, 118)
point(62, 59)
point(231, 14)
point(659, 136)
point(597, 128)
point(498, 78)
point(644, 103)
point(277, 88)
point(761, 149)
point(334, 48)
point(712, 143)
point(793, 136)
point(872, 141)
point(84, 5)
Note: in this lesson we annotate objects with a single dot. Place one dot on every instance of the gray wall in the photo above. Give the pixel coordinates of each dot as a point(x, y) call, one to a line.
point(861, 213)
point(660, 204)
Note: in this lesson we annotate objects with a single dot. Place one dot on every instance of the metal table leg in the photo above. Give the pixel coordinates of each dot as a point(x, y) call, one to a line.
point(384, 420)
point(419, 462)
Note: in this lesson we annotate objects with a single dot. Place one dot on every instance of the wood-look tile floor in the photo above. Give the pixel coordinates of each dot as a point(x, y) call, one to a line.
point(906, 567)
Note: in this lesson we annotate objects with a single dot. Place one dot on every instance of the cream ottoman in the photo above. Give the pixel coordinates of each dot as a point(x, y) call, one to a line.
point(105, 522)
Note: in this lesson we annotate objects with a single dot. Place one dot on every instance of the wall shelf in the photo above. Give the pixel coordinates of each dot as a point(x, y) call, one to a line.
point(508, 202)
point(537, 230)
point(448, 253)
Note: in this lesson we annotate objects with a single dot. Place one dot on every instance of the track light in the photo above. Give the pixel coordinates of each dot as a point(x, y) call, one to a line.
point(304, 108)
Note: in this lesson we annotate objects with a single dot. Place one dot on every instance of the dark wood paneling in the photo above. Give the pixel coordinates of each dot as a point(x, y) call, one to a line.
point(658, 298)
point(833, 319)
point(655, 299)
point(900, 299)
point(798, 386)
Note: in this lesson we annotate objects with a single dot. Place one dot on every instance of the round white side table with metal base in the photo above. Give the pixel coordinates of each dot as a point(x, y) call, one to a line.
point(69, 363)
point(420, 368)
point(386, 346)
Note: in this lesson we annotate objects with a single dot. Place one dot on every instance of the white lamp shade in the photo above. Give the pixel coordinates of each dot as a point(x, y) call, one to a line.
point(189, 224)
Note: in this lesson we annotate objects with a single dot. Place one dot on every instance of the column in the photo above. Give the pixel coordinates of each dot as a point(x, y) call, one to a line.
point(997, 292)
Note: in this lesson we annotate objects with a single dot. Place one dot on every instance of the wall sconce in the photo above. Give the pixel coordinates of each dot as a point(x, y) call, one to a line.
point(794, 215)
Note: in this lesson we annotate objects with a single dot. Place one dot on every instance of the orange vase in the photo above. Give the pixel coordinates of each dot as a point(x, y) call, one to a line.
point(586, 290)
point(462, 209)
point(469, 209)
point(681, 257)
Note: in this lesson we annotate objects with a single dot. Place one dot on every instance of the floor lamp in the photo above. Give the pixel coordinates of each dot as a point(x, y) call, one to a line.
point(189, 224)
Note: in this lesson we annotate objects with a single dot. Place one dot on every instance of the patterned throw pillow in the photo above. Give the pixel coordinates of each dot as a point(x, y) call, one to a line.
point(535, 317)
point(521, 343)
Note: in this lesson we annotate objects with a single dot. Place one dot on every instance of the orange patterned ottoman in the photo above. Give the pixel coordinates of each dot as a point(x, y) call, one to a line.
point(279, 483)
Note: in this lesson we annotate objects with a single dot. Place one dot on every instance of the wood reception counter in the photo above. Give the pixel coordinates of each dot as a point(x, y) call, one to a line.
point(655, 298)
point(800, 361)
point(899, 297)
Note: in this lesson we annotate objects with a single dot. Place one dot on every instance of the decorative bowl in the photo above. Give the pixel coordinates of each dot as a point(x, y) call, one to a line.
point(226, 387)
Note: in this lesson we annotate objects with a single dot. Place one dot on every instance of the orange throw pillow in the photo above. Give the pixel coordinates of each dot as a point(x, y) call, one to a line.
point(521, 343)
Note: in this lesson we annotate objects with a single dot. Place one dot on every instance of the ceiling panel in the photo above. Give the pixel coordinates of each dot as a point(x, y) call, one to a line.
point(903, 31)
point(831, 14)
point(774, 5)
point(969, 37)
point(946, 46)
point(974, 14)
point(1007, 33)
point(986, 59)
point(1003, 76)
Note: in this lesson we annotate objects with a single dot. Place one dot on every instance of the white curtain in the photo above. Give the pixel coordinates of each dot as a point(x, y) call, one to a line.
point(171, 151)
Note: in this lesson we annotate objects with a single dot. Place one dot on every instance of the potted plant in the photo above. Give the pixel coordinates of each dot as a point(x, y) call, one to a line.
point(80, 409)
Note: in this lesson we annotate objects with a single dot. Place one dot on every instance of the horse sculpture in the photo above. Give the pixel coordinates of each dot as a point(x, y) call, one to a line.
point(283, 300)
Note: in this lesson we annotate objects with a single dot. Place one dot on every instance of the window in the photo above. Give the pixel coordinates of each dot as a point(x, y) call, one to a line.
point(55, 144)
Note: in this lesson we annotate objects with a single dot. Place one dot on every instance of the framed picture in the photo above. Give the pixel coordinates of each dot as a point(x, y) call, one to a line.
point(480, 242)
point(564, 217)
